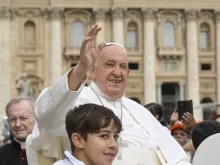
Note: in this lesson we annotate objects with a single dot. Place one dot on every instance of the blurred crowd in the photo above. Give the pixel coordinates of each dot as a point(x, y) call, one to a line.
point(188, 132)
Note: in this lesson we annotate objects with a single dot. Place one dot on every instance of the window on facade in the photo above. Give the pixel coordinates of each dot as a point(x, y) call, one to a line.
point(168, 32)
point(204, 36)
point(131, 35)
point(76, 34)
point(207, 106)
point(30, 34)
point(206, 67)
point(133, 66)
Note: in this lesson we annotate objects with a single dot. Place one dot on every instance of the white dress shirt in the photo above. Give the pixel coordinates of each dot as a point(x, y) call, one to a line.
point(69, 160)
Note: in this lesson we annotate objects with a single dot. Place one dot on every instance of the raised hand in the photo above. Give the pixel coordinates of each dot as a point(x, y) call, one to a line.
point(213, 114)
point(87, 58)
point(88, 53)
point(188, 121)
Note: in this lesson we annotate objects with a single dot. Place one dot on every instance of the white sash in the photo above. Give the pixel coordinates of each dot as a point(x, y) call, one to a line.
point(139, 156)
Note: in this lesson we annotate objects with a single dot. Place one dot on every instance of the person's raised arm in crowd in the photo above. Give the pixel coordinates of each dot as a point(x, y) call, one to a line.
point(187, 120)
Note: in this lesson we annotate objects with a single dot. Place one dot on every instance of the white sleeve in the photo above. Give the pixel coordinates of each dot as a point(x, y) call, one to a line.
point(184, 161)
point(53, 104)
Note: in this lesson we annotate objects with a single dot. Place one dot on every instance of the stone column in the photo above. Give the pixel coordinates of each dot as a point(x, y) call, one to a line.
point(100, 20)
point(149, 56)
point(179, 36)
point(47, 46)
point(5, 58)
point(181, 93)
point(118, 25)
point(56, 51)
point(159, 93)
point(193, 62)
point(217, 18)
point(5, 61)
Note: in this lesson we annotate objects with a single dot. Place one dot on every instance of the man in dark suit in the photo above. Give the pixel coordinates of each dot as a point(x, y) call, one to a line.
point(21, 120)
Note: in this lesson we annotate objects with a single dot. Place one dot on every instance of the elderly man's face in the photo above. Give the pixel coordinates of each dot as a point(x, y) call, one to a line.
point(180, 136)
point(111, 71)
point(21, 120)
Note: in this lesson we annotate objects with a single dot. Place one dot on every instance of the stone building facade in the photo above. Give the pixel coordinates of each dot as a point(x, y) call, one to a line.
point(173, 46)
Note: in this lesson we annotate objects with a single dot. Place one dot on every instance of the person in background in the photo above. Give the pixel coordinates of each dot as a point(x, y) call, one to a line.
point(203, 130)
point(93, 131)
point(157, 111)
point(21, 120)
point(187, 120)
point(178, 131)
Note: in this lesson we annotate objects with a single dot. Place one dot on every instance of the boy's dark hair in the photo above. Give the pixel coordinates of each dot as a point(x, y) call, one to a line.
point(155, 108)
point(89, 118)
point(203, 130)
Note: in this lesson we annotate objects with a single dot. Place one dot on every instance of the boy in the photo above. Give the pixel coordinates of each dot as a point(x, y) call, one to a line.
point(93, 131)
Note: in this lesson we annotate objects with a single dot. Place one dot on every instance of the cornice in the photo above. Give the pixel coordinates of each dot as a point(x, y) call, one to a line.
point(118, 13)
point(191, 14)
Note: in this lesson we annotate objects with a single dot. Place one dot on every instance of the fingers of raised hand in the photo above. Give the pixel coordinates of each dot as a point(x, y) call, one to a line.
point(86, 39)
point(91, 30)
point(188, 116)
point(185, 119)
point(84, 43)
point(100, 47)
point(96, 30)
point(213, 110)
point(188, 119)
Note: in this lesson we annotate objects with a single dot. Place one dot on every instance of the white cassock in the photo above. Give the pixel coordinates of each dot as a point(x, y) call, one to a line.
point(140, 128)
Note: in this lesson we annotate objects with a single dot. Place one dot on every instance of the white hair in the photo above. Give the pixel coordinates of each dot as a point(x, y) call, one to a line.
point(19, 99)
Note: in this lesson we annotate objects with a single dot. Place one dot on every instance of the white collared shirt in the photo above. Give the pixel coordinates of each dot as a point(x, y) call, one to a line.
point(22, 144)
point(69, 160)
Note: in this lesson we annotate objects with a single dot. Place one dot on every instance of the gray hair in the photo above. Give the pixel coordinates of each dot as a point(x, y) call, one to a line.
point(19, 99)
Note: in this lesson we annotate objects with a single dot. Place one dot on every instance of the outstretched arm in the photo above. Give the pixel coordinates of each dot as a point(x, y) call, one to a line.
point(54, 102)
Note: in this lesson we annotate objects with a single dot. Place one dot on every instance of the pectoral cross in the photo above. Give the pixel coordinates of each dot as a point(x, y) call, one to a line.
point(119, 156)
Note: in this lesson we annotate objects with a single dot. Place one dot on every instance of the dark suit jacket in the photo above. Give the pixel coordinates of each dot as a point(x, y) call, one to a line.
point(10, 154)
